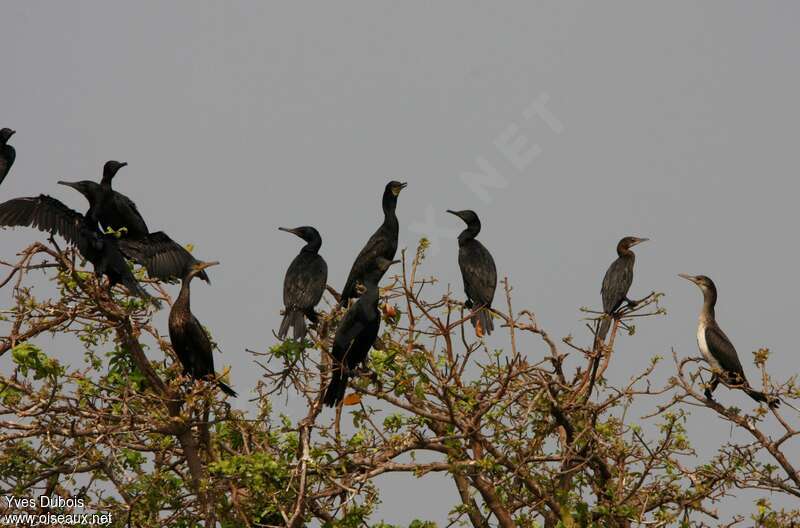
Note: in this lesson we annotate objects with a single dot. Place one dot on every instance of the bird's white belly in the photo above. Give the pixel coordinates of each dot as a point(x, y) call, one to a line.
point(703, 346)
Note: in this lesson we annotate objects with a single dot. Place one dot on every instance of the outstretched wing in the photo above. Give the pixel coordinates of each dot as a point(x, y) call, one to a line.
point(46, 214)
point(163, 258)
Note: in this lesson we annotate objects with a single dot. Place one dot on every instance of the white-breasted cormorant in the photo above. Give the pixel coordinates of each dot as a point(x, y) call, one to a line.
point(383, 243)
point(7, 153)
point(356, 332)
point(163, 258)
point(617, 281)
point(50, 215)
point(303, 284)
point(478, 271)
point(717, 349)
point(189, 339)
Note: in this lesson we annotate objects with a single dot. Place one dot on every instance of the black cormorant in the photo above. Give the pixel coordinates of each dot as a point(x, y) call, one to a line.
point(718, 349)
point(7, 153)
point(163, 258)
point(356, 332)
point(50, 215)
point(303, 284)
point(382, 243)
point(189, 339)
point(478, 271)
point(617, 281)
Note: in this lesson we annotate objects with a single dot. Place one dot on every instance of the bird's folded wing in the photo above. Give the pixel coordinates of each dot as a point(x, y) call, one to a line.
point(723, 350)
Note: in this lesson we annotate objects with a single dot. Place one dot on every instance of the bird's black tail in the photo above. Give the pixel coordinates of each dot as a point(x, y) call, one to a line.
point(226, 389)
point(759, 396)
point(484, 318)
point(136, 289)
point(293, 319)
point(605, 326)
point(334, 393)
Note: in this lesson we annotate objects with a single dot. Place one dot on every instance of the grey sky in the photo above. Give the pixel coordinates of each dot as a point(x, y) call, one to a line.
point(679, 123)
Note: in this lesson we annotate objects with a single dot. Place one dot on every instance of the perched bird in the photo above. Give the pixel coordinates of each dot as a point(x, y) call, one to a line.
point(7, 153)
point(303, 284)
point(189, 339)
point(163, 258)
point(717, 349)
point(617, 281)
point(383, 243)
point(478, 271)
point(356, 333)
point(50, 215)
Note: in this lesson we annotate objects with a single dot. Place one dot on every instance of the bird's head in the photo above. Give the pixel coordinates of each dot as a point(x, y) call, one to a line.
point(394, 187)
point(197, 267)
point(5, 135)
point(469, 217)
point(307, 233)
point(703, 282)
point(630, 241)
point(111, 168)
point(85, 187)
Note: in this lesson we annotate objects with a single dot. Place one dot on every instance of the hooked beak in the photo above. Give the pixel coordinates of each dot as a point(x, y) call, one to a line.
point(688, 277)
point(74, 185)
point(454, 213)
point(288, 230)
point(200, 266)
point(639, 241)
point(123, 164)
point(396, 190)
point(392, 263)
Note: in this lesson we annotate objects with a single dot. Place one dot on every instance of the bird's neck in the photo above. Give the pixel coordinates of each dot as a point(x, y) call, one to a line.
point(389, 205)
point(625, 252)
point(182, 301)
point(709, 302)
point(370, 297)
point(312, 246)
point(470, 233)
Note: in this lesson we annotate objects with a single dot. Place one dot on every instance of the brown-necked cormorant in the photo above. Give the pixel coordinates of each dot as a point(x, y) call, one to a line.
point(7, 153)
point(50, 215)
point(617, 281)
point(478, 271)
point(383, 243)
point(356, 332)
point(303, 284)
point(717, 349)
point(163, 258)
point(189, 339)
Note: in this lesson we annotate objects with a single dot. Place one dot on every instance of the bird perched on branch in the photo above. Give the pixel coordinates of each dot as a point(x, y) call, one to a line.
point(303, 284)
point(717, 349)
point(383, 243)
point(356, 333)
point(7, 153)
point(50, 215)
point(478, 272)
point(163, 258)
point(617, 282)
point(189, 339)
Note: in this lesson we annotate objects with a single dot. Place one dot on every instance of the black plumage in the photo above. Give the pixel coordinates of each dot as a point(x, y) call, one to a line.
point(617, 281)
point(717, 349)
point(7, 153)
point(163, 258)
point(189, 339)
point(478, 272)
point(303, 284)
point(383, 243)
point(50, 215)
point(356, 332)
